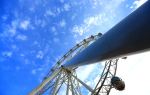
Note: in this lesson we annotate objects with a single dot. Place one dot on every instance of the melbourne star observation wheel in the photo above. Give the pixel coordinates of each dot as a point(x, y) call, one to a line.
point(129, 36)
point(60, 77)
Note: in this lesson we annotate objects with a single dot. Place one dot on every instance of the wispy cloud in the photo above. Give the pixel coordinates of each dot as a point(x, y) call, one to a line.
point(11, 29)
point(101, 19)
point(7, 53)
point(62, 23)
point(53, 29)
point(5, 17)
point(137, 4)
point(86, 73)
point(79, 30)
point(90, 22)
point(33, 72)
point(24, 24)
point(62, 1)
point(67, 7)
point(56, 40)
point(49, 12)
point(21, 37)
point(40, 54)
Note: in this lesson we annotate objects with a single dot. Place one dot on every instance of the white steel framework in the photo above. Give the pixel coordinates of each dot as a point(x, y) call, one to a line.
point(59, 76)
point(129, 36)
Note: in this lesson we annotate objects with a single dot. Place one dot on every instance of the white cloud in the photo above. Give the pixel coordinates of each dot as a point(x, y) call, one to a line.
point(49, 13)
point(15, 23)
point(137, 4)
point(66, 7)
point(96, 3)
point(56, 40)
point(33, 72)
point(40, 22)
point(24, 24)
point(102, 19)
point(22, 55)
point(73, 16)
point(5, 17)
point(58, 10)
point(53, 29)
point(95, 20)
point(14, 47)
point(88, 23)
point(12, 29)
point(62, 1)
point(84, 72)
point(7, 53)
point(40, 55)
point(40, 69)
point(62, 23)
point(79, 30)
point(32, 9)
point(21, 37)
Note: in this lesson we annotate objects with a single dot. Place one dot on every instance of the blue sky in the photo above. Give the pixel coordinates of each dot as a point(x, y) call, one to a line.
point(34, 34)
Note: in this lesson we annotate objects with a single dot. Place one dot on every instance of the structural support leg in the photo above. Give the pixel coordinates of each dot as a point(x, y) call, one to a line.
point(85, 85)
point(40, 87)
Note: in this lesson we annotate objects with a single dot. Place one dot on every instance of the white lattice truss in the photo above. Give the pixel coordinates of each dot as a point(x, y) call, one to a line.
point(59, 76)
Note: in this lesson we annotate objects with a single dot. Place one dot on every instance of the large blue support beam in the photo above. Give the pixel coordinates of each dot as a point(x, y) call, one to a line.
point(130, 36)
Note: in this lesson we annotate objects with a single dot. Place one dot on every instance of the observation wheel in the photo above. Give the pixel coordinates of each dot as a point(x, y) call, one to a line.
point(64, 81)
